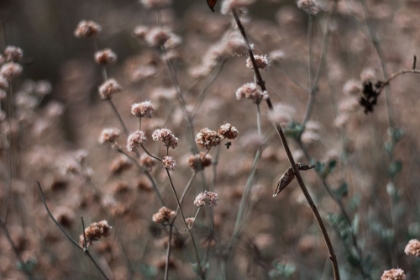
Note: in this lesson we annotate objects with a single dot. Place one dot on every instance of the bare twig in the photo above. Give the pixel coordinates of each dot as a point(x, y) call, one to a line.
point(280, 132)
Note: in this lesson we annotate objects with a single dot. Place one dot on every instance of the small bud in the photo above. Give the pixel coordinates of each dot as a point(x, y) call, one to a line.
point(163, 215)
point(86, 29)
point(109, 88)
point(261, 61)
point(169, 163)
point(13, 53)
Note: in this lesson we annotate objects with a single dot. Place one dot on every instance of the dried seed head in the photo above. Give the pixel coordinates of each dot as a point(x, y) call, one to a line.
point(199, 162)
point(262, 62)
point(413, 248)
point(393, 274)
point(169, 163)
point(228, 131)
point(13, 53)
point(251, 91)
point(109, 88)
point(147, 161)
point(352, 87)
point(206, 197)
point(156, 4)
point(106, 56)
point(309, 6)
point(135, 140)
point(64, 216)
point(190, 222)
point(166, 136)
point(10, 70)
point(163, 215)
point(95, 232)
point(86, 29)
point(142, 110)
point(158, 36)
point(285, 180)
point(207, 138)
point(109, 135)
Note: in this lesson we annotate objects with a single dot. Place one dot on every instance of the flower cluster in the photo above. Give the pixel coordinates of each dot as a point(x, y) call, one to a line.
point(142, 110)
point(109, 135)
point(135, 140)
point(95, 232)
point(86, 29)
point(166, 136)
point(200, 161)
point(109, 88)
point(206, 197)
point(413, 248)
point(163, 215)
point(251, 91)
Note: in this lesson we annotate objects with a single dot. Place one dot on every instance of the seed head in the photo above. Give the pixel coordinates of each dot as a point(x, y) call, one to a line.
point(120, 164)
point(228, 131)
point(309, 6)
point(190, 222)
point(200, 161)
point(109, 88)
point(147, 161)
point(13, 53)
point(10, 70)
point(135, 139)
point(413, 248)
point(109, 135)
point(140, 31)
point(166, 136)
point(262, 62)
point(251, 91)
point(106, 56)
point(169, 163)
point(142, 110)
point(86, 29)
point(206, 197)
point(163, 215)
point(95, 232)
point(393, 274)
point(207, 138)
point(158, 36)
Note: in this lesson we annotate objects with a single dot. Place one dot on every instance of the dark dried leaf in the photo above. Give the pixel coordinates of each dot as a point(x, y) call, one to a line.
point(285, 180)
point(211, 4)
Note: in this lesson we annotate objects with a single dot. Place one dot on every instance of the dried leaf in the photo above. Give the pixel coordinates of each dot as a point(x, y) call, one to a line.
point(285, 180)
point(211, 4)
point(304, 167)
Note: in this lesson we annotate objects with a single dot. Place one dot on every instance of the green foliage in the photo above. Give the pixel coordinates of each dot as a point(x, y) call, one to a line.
point(294, 130)
point(324, 169)
point(341, 191)
point(282, 271)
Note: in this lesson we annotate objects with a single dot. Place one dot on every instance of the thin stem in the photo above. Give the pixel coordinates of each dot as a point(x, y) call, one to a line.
point(114, 109)
point(168, 253)
point(187, 187)
point(186, 225)
point(258, 119)
point(15, 250)
point(150, 154)
point(279, 130)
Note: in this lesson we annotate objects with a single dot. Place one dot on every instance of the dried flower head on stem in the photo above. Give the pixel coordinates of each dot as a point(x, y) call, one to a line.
point(206, 197)
point(142, 110)
point(94, 232)
point(166, 136)
point(135, 140)
point(86, 29)
point(109, 88)
point(164, 215)
point(207, 138)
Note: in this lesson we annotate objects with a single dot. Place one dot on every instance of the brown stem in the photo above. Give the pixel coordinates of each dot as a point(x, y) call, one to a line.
point(168, 252)
point(279, 130)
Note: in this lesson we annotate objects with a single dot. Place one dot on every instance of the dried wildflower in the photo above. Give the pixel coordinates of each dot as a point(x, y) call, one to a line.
point(393, 274)
point(109, 135)
point(106, 56)
point(262, 62)
point(144, 185)
point(86, 29)
point(190, 222)
point(95, 232)
point(206, 197)
point(13, 53)
point(228, 131)
point(228, 5)
point(200, 161)
point(10, 70)
point(156, 4)
point(207, 138)
point(135, 140)
point(309, 6)
point(352, 87)
point(251, 91)
point(163, 215)
point(120, 187)
point(109, 88)
point(413, 248)
point(370, 95)
point(142, 110)
point(166, 136)
point(4, 84)
point(120, 164)
point(157, 36)
point(169, 162)
point(141, 31)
